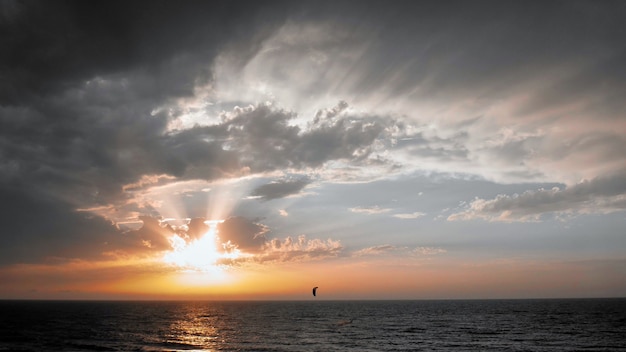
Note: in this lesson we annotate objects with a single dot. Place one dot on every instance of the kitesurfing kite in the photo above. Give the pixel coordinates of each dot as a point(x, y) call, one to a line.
point(314, 291)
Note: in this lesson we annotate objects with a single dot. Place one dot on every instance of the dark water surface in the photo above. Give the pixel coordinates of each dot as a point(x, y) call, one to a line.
point(473, 325)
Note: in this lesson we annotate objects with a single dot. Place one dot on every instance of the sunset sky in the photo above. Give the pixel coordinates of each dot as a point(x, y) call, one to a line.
point(255, 149)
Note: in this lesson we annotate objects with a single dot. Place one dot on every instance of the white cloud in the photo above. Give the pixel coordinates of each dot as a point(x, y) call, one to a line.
point(387, 248)
point(375, 250)
point(296, 249)
point(414, 215)
point(428, 251)
point(370, 210)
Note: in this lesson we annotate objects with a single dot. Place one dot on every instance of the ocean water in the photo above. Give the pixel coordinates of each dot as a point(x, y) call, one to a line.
point(456, 325)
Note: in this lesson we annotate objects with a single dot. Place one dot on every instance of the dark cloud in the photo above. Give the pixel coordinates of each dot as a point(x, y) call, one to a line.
point(37, 227)
point(89, 152)
point(267, 141)
point(152, 236)
point(88, 90)
point(45, 229)
point(247, 235)
point(280, 188)
point(197, 228)
point(51, 46)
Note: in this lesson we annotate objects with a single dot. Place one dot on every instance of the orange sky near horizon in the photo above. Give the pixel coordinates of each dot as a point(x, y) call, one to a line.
point(434, 278)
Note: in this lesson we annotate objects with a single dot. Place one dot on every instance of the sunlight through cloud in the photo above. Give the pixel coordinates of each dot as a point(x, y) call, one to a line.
point(200, 255)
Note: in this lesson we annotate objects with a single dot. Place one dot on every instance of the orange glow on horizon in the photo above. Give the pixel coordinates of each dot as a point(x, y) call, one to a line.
point(339, 278)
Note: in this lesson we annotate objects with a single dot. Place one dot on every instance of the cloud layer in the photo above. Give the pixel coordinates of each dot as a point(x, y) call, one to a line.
point(600, 195)
point(102, 103)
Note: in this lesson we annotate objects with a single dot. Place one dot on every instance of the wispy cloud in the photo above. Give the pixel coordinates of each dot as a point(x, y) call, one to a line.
point(370, 210)
point(375, 250)
point(429, 251)
point(414, 215)
point(387, 248)
point(298, 249)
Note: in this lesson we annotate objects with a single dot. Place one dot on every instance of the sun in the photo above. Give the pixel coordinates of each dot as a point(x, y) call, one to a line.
point(202, 254)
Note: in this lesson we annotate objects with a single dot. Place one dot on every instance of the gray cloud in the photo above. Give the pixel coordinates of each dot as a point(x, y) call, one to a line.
point(599, 195)
point(266, 141)
point(50, 46)
point(467, 74)
point(89, 90)
point(46, 229)
point(251, 238)
point(151, 237)
point(298, 249)
point(89, 155)
point(441, 149)
point(248, 236)
point(375, 250)
point(429, 51)
point(280, 188)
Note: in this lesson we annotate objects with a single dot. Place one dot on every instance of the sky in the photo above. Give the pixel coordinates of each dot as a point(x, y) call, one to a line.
point(254, 150)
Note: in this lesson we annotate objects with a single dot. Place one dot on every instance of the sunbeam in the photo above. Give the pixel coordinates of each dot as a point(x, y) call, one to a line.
point(201, 255)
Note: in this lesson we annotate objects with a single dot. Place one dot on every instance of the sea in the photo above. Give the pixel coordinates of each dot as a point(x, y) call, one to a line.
point(421, 325)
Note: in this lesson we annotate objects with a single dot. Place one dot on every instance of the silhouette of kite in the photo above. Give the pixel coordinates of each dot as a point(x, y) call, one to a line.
point(314, 291)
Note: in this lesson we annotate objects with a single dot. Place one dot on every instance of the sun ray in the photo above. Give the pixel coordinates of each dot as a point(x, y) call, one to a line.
point(200, 255)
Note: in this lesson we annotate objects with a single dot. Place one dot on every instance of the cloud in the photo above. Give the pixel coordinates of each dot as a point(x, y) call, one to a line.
point(266, 141)
point(298, 249)
point(242, 233)
point(599, 195)
point(247, 237)
point(375, 250)
point(71, 158)
point(414, 215)
point(477, 106)
point(429, 251)
point(280, 188)
point(152, 236)
point(101, 101)
point(85, 121)
point(387, 248)
point(250, 237)
point(370, 210)
point(425, 146)
point(74, 42)
point(44, 229)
